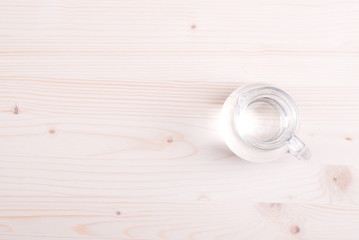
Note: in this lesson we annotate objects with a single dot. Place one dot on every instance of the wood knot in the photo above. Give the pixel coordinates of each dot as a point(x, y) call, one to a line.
point(118, 213)
point(170, 140)
point(338, 178)
point(294, 229)
point(348, 138)
point(270, 205)
point(270, 210)
point(203, 198)
point(274, 205)
point(16, 110)
point(52, 131)
point(193, 26)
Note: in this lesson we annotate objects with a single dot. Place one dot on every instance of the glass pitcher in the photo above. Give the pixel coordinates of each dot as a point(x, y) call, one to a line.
point(259, 123)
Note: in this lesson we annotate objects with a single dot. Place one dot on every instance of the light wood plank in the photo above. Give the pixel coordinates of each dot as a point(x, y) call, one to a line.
point(109, 119)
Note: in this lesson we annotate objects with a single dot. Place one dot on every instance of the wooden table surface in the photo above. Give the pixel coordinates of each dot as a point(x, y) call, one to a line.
point(109, 119)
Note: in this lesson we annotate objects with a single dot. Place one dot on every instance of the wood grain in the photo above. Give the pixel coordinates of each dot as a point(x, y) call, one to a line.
point(109, 119)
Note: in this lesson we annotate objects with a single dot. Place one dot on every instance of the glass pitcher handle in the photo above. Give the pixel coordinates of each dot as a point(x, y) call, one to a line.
point(298, 149)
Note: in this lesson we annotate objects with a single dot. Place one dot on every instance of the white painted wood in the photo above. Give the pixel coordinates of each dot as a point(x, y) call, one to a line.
point(109, 119)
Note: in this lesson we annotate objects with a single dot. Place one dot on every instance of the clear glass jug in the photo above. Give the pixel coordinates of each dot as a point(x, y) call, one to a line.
point(259, 123)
